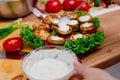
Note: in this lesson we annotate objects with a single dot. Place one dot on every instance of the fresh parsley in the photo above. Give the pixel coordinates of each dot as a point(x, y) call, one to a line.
point(29, 38)
point(81, 13)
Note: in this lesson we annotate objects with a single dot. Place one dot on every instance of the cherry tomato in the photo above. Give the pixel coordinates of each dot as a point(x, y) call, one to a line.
point(13, 44)
point(53, 6)
point(68, 5)
point(85, 7)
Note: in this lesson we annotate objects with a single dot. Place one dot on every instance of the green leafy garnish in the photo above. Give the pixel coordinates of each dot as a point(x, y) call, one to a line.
point(97, 2)
point(83, 45)
point(29, 38)
point(53, 32)
point(81, 13)
point(96, 21)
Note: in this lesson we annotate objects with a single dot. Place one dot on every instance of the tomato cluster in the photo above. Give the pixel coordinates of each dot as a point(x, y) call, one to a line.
point(53, 6)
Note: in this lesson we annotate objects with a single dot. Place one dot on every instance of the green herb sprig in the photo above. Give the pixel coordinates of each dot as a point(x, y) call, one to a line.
point(9, 29)
point(81, 13)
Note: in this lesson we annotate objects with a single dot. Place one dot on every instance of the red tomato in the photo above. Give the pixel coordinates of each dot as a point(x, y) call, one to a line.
point(53, 6)
point(85, 7)
point(68, 5)
point(13, 44)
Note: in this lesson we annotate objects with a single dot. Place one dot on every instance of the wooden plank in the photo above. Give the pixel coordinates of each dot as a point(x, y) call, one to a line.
point(12, 70)
point(108, 54)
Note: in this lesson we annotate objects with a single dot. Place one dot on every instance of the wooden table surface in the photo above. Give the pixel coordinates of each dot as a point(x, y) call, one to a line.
point(109, 53)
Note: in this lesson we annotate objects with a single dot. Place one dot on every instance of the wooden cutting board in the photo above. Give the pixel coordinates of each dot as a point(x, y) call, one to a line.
point(16, 33)
point(11, 70)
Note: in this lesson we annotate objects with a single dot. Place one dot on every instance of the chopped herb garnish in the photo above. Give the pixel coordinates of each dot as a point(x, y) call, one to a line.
point(53, 32)
point(81, 13)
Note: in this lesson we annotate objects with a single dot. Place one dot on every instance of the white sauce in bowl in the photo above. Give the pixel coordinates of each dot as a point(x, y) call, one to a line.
point(49, 69)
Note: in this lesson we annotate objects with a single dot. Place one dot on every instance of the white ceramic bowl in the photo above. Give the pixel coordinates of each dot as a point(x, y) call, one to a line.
point(62, 54)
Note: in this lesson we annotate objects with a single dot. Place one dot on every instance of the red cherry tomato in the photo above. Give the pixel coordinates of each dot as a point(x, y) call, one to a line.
point(85, 7)
point(13, 44)
point(53, 6)
point(68, 5)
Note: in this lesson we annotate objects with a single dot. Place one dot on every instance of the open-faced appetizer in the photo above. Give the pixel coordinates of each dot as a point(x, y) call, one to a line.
point(43, 25)
point(41, 31)
point(73, 37)
point(74, 24)
point(56, 40)
point(72, 15)
point(86, 18)
point(55, 22)
point(50, 18)
point(87, 28)
point(66, 13)
point(64, 30)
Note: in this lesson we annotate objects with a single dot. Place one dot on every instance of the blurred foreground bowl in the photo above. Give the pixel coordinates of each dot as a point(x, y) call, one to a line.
point(64, 55)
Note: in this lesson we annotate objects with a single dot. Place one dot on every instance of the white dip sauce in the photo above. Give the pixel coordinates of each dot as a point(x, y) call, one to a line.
point(56, 38)
point(55, 21)
point(64, 28)
point(73, 22)
point(78, 36)
point(84, 18)
point(49, 69)
point(87, 24)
